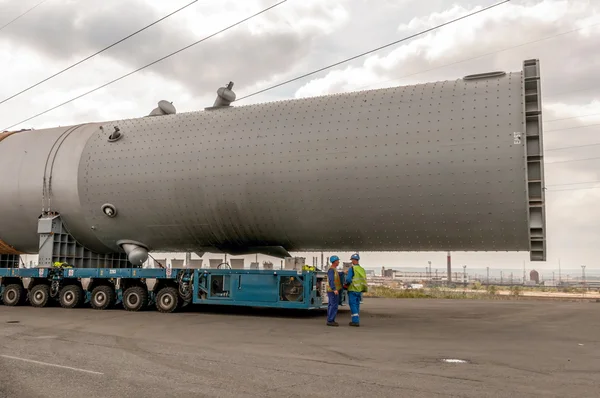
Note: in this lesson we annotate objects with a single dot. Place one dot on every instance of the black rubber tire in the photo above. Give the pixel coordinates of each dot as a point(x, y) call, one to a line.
point(70, 296)
point(135, 298)
point(39, 295)
point(102, 297)
point(167, 300)
point(13, 295)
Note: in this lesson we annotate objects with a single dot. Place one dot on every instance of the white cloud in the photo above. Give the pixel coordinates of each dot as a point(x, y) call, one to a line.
point(498, 29)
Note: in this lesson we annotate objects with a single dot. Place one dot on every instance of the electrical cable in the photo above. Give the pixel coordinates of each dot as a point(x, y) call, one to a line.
point(98, 52)
point(373, 50)
point(22, 15)
point(572, 147)
point(575, 183)
point(572, 160)
point(147, 65)
point(570, 189)
point(573, 128)
point(571, 117)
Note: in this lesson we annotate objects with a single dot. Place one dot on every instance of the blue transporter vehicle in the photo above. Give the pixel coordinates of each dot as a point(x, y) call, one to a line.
point(167, 289)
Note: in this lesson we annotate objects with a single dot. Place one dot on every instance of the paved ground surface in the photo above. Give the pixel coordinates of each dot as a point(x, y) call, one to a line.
point(513, 348)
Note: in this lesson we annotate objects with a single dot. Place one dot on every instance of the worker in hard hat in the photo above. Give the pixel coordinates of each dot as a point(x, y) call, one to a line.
point(334, 289)
point(356, 284)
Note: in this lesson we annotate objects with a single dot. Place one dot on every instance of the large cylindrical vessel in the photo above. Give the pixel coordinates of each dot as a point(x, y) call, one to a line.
point(438, 166)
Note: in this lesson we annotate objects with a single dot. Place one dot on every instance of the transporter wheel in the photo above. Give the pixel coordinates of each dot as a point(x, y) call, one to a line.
point(167, 299)
point(39, 295)
point(13, 295)
point(70, 296)
point(135, 298)
point(102, 297)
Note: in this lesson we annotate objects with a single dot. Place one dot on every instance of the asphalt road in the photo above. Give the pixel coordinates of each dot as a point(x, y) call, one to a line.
point(511, 349)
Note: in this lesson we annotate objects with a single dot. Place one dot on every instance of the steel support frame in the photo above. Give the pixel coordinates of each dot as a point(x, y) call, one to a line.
point(534, 152)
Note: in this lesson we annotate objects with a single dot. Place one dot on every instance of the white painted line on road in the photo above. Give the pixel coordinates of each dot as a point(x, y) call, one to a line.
point(51, 364)
point(453, 360)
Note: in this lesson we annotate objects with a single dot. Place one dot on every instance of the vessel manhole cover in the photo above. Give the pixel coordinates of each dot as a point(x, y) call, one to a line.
point(12, 321)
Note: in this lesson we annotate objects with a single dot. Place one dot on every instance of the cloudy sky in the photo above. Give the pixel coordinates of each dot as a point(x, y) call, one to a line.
point(302, 35)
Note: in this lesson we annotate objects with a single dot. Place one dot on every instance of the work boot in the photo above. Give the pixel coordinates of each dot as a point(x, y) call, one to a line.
point(333, 324)
point(354, 324)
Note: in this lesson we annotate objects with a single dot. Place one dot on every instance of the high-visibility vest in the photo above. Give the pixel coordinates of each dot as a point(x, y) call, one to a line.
point(359, 280)
point(336, 281)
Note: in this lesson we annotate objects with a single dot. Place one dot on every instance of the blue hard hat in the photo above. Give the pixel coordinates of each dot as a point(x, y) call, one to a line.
point(355, 257)
point(333, 259)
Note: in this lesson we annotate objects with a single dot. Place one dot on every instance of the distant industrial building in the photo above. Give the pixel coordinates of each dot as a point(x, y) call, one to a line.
point(430, 277)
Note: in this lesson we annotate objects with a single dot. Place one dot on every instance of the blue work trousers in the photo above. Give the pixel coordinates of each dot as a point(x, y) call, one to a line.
point(332, 306)
point(354, 302)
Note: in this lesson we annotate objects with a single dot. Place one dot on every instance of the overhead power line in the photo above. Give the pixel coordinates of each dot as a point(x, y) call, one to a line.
point(571, 117)
point(373, 50)
point(573, 128)
point(572, 160)
point(99, 52)
point(575, 183)
point(570, 189)
point(148, 65)
point(22, 15)
point(572, 147)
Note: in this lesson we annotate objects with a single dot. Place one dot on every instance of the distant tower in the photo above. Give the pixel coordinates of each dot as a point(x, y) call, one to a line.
point(449, 263)
point(534, 276)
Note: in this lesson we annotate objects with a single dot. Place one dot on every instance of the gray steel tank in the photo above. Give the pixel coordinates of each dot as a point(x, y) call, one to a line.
point(444, 166)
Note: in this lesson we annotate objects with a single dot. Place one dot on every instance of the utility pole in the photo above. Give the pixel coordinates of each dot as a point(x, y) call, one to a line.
point(465, 275)
point(559, 275)
point(449, 265)
point(583, 275)
point(488, 275)
point(429, 269)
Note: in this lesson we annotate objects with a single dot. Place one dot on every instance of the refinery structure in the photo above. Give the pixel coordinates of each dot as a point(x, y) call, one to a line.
point(444, 166)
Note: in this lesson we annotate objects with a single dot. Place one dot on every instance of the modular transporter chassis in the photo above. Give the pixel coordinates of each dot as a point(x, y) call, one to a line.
point(167, 289)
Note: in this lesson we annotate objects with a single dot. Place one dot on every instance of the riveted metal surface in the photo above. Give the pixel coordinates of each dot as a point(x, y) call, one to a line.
point(425, 167)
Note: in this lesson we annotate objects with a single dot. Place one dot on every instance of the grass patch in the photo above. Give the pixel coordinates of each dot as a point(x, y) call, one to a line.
point(434, 293)
point(388, 292)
